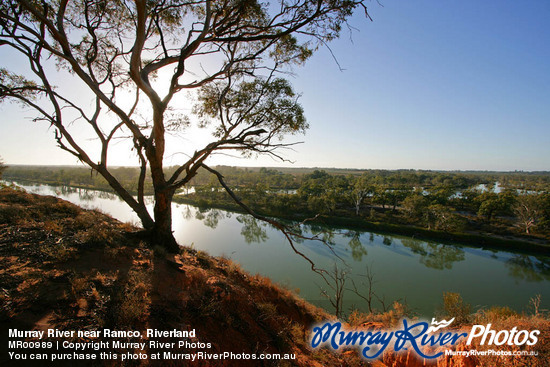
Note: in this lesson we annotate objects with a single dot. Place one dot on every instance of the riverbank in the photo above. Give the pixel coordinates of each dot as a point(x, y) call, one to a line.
point(479, 219)
point(477, 240)
point(524, 244)
point(67, 268)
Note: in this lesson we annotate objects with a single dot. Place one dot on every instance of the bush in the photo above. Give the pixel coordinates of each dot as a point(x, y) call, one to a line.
point(454, 306)
point(389, 318)
point(495, 313)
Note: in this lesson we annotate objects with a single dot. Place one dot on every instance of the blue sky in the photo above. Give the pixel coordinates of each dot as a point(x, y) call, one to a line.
point(427, 85)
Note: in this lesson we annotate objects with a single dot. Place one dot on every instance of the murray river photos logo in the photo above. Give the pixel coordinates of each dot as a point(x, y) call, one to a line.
point(419, 336)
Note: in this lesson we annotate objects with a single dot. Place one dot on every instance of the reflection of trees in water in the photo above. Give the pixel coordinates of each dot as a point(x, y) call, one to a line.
point(65, 190)
point(210, 217)
point(87, 195)
point(357, 248)
point(387, 241)
point(321, 232)
point(187, 212)
point(433, 255)
point(297, 229)
point(108, 195)
point(529, 268)
point(253, 230)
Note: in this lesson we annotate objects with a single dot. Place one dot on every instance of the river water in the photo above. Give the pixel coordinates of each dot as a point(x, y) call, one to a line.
point(402, 268)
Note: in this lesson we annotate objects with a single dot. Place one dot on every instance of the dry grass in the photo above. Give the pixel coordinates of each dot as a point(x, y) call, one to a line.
point(387, 319)
point(132, 300)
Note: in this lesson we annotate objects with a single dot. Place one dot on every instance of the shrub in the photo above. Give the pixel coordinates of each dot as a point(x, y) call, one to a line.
point(387, 318)
point(454, 306)
point(494, 313)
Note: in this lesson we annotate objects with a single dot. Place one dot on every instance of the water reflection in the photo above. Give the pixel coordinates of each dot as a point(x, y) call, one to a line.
point(433, 255)
point(321, 232)
point(211, 217)
point(253, 230)
point(85, 194)
point(65, 190)
point(529, 268)
point(187, 213)
point(88, 196)
point(357, 248)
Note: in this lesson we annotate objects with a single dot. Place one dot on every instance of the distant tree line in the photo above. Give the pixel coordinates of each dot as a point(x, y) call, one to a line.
point(452, 202)
point(447, 201)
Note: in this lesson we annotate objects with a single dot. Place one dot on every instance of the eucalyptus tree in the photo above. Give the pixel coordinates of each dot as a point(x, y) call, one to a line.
point(361, 188)
point(528, 210)
point(136, 60)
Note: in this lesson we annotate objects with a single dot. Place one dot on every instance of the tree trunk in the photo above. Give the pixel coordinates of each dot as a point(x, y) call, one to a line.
point(162, 230)
point(358, 202)
point(137, 206)
point(145, 218)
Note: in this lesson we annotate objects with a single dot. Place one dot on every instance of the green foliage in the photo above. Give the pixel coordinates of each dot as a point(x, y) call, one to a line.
point(415, 206)
point(361, 187)
point(441, 218)
point(397, 197)
point(268, 105)
point(441, 194)
point(491, 203)
point(16, 84)
point(545, 209)
point(323, 192)
point(530, 210)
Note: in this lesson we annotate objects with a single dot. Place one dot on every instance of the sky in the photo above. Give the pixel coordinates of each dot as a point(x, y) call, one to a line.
point(439, 85)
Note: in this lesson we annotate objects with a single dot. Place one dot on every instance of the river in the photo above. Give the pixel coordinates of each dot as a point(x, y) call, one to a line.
point(402, 268)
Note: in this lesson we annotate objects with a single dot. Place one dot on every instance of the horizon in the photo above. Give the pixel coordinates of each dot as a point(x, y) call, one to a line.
point(300, 168)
